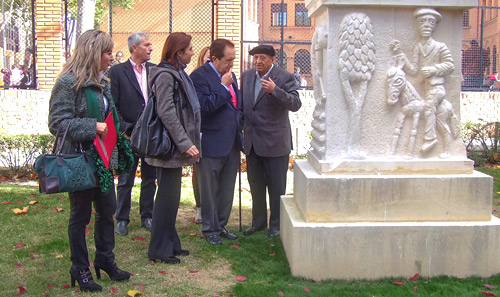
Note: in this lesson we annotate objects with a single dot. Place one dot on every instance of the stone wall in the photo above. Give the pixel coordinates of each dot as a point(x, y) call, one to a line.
point(26, 112)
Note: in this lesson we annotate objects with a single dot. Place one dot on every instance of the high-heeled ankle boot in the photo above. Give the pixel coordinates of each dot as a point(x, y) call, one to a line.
point(84, 279)
point(112, 270)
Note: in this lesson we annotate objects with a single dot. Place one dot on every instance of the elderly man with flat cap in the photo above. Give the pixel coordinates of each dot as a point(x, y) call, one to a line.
point(268, 94)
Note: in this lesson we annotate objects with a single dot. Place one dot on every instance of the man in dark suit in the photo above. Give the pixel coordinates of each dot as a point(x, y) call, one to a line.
point(221, 138)
point(130, 92)
point(268, 94)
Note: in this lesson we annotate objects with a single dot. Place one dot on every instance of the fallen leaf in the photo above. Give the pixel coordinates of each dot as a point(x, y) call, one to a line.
point(162, 272)
point(33, 202)
point(281, 293)
point(272, 255)
point(399, 283)
point(19, 245)
point(192, 271)
point(22, 289)
point(488, 293)
point(6, 202)
point(17, 211)
point(88, 228)
point(50, 285)
point(240, 278)
point(33, 195)
point(58, 256)
point(77, 290)
point(288, 285)
point(47, 233)
point(53, 211)
point(184, 295)
point(113, 290)
point(307, 290)
point(65, 286)
point(235, 246)
point(32, 255)
point(192, 234)
point(35, 210)
point(59, 209)
point(144, 243)
point(18, 266)
point(185, 228)
point(41, 264)
point(415, 277)
point(415, 288)
point(19, 202)
point(490, 287)
point(139, 238)
point(229, 293)
point(47, 293)
point(142, 287)
point(132, 293)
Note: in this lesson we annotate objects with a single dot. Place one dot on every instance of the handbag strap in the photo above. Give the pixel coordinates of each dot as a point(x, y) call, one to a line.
point(60, 143)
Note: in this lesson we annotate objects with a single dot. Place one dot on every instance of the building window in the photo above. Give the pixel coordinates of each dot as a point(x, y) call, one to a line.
point(278, 16)
point(302, 59)
point(465, 20)
point(302, 18)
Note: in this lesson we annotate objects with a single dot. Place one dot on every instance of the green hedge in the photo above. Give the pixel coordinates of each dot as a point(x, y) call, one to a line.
point(18, 152)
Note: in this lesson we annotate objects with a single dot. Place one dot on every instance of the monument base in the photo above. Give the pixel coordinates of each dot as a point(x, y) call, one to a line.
point(365, 250)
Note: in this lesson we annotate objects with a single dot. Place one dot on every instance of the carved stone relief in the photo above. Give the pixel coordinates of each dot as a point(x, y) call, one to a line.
point(432, 62)
point(356, 65)
point(319, 45)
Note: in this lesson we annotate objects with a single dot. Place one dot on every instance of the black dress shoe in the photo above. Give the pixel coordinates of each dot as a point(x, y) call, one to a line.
point(213, 239)
point(147, 223)
point(112, 270)
point(121, 228)
point(273, 233)
point(169, 260)
point(252, 230)
point(227, 234)
point(182, 253)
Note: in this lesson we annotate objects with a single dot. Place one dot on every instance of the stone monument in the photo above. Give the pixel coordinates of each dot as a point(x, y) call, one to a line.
point(387, 189)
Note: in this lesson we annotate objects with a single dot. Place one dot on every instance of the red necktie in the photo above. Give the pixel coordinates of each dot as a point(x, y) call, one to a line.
point(233, 95)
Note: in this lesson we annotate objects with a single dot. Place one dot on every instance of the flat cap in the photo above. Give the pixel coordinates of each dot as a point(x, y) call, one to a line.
point(263, 49)
point(428, 11)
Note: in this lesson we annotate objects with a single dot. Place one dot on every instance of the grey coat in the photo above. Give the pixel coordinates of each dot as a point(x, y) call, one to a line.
point(266, 123)
point(68, 104)
point(178, 118)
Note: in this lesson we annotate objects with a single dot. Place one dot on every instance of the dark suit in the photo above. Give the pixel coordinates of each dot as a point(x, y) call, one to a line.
point(130, 103)
point(221, 142)
point(268, 141)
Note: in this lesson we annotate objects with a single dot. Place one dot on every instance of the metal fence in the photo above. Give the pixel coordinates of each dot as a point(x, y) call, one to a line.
point(286, 26)
point(481, 41)
point(16, 44)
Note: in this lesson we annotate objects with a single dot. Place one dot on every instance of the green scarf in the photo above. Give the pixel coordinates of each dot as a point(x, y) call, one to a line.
point(125, 156)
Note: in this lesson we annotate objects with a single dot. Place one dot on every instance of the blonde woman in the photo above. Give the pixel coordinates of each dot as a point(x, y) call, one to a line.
point(81, 98)
point(203, 56)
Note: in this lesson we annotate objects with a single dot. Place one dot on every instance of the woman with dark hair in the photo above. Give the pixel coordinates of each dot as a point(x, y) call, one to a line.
point(179, 110)
point(80, 97)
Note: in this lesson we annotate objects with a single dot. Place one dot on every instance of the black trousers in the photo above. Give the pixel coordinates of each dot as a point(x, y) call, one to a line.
point(165, 241)
point(147, 196)
point(104, 236)
point(270, 173)
point(216, 178)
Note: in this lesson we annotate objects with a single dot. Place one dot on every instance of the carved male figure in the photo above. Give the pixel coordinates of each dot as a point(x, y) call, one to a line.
point(432, 60)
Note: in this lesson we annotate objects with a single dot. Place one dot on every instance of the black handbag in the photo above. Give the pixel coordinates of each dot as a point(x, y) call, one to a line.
point(150, 138)
point(59, 173)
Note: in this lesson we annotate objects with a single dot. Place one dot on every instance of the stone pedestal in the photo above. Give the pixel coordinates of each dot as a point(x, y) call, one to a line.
point(387, 190)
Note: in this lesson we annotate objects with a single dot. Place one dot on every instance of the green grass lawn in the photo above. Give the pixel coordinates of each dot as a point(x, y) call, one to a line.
point(35, 255)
